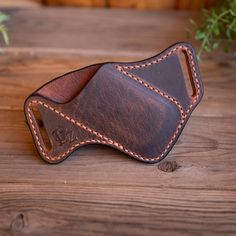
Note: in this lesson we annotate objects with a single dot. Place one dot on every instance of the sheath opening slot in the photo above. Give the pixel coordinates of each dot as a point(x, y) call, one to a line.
point(41, 127)
point(187, 73)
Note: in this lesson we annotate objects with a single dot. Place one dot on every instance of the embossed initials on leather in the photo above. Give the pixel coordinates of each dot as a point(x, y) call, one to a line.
point(139, 108)
point(63, 135)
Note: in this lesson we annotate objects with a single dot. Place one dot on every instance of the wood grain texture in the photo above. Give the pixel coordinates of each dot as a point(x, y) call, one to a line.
point(99, 190)
point(81, 3)
point(194, 4)
point(139, 4)
point(143, 4)
point(19, 3)
point(102, 30)
point(38, 68)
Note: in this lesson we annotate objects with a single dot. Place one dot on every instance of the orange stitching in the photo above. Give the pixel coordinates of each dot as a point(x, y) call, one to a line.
point(189, 53)
point(174, 100)
point(109, 141)
point(81, 125)
point(40, 146)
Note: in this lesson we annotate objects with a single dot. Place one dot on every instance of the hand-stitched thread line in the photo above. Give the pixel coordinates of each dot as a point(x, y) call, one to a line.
point(155, 89)
point(109, 141)
point(143, 65)
point(81, 125)
point(163, 94)
point(42, 149)
point(158, 91)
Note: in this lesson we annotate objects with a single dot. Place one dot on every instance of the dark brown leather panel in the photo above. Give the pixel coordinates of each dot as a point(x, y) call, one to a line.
point(128, 113)
point(139, 108)
point(63, 133)
point(167, 76)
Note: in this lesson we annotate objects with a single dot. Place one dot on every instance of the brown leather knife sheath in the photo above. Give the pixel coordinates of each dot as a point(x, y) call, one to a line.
point(139, 108)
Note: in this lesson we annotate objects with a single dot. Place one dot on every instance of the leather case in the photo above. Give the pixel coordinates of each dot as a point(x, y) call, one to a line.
point(139, 108)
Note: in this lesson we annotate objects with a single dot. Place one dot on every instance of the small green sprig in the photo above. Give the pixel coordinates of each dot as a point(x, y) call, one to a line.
point(3, 29)
point(218, 25)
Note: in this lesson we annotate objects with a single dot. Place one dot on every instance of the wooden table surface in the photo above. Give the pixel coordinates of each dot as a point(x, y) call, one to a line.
point(98, 190)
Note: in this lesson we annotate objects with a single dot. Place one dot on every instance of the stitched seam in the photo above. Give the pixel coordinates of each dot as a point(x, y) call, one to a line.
point(168, 97)
point(155, 89)
point(109, 141)
point(81, 125)
point(143, 65)
point(39, 144)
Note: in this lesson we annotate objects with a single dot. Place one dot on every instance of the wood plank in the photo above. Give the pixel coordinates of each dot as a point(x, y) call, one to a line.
point(40, 57)
point(139, 4)
point(120, 31)
point(81, 3)
point(194, 4)
point(28, 71)
point(62, 209)
point(123, 30)
point(143, 4)
point(19, 3)
point(99, 190)
point(101, 29)
point(201, 151)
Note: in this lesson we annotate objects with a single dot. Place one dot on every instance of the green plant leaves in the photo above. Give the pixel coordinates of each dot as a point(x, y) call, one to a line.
point(200, 34)
point(3, 17)
point(3, 29)
point(218, 24)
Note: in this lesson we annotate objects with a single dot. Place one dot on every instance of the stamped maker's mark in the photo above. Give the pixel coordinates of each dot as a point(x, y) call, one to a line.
point(63, 135)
